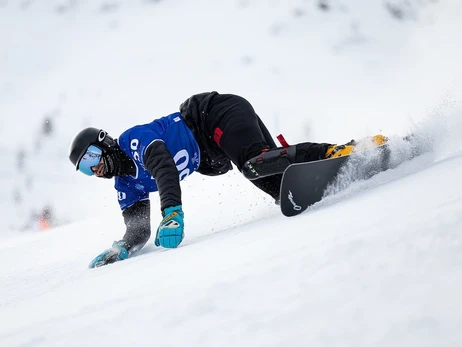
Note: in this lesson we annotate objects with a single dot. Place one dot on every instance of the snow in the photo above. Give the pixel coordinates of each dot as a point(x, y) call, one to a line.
point(379, 267)
point(377, 264)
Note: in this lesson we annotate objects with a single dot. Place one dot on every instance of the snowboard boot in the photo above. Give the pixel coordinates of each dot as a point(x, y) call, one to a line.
point(335, 151)
point(379, 140)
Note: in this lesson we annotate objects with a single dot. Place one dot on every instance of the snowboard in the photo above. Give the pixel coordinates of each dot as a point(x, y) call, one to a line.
point(304, 184)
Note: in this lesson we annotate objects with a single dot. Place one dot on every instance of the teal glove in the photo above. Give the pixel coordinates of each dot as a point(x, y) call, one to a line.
point(170, 231)
point(111, 255)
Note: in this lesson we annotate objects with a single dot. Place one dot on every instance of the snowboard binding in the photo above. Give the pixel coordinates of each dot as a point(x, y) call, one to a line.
point(269, 162)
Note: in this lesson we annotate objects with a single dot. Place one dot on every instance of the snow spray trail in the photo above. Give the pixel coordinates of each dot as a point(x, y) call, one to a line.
point(431, 140)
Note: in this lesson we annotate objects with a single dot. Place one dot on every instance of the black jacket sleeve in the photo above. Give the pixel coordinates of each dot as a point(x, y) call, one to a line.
point(159, 162)
point(137, 220)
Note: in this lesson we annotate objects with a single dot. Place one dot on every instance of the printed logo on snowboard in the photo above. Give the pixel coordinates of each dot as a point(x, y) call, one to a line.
point(291, 199)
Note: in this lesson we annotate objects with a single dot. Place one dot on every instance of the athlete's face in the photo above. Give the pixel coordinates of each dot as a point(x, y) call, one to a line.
point(99, 169)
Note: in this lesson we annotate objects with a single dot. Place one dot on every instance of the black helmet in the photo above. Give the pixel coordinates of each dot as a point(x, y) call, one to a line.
point(86, 138)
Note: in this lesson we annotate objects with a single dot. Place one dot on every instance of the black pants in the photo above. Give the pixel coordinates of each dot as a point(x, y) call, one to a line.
point(236, 128)
point(241, 135)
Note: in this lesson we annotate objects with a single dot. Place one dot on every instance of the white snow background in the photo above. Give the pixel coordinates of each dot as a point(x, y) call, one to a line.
point(378, 264)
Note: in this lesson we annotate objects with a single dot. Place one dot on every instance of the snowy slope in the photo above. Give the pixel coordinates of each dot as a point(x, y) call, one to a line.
point(377, 264)
point(380, 267)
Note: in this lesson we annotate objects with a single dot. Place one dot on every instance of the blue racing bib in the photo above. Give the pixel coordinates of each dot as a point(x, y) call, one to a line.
point(178, 139)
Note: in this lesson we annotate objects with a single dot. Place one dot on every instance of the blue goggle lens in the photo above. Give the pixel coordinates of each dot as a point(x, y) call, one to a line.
point(91, 158)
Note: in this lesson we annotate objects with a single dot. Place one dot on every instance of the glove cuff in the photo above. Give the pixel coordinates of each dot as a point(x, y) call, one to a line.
point(171, 209)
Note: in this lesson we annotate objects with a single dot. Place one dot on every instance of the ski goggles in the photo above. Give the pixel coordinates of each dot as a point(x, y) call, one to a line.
point(91, 158)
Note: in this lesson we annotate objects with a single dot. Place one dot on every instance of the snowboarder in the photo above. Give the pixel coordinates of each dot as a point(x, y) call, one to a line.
point(210, 132)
